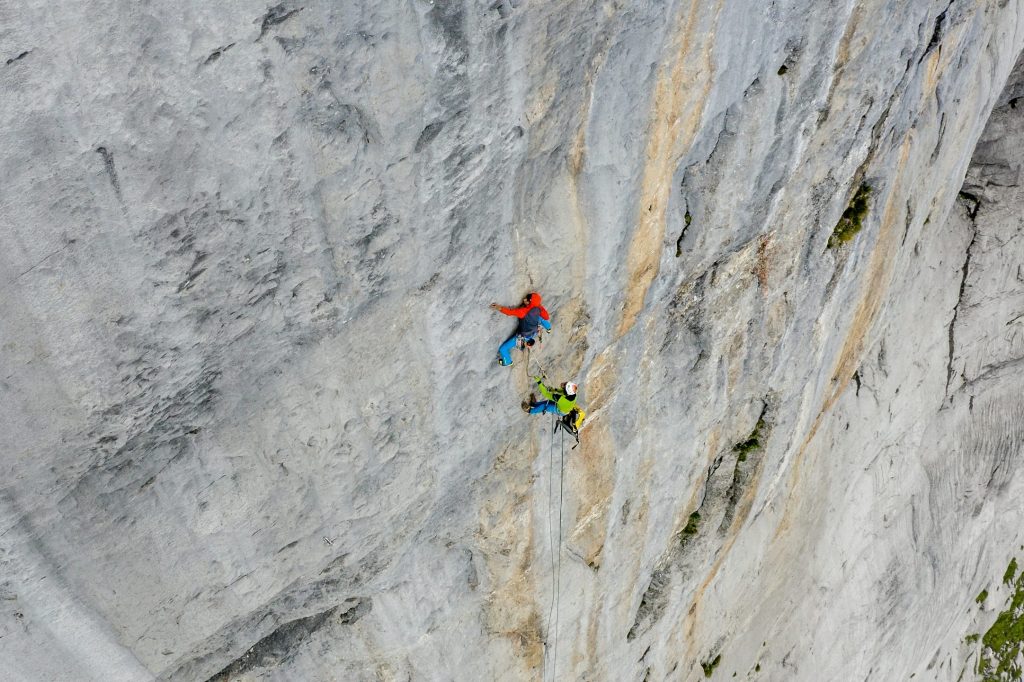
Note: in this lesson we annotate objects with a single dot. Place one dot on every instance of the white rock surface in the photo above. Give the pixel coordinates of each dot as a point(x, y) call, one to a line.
point(253, 428)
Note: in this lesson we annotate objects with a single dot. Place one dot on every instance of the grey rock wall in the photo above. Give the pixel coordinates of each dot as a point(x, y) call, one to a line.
point(253, 428)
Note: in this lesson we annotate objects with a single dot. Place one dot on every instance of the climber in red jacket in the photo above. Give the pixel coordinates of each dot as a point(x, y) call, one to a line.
point(532, 316)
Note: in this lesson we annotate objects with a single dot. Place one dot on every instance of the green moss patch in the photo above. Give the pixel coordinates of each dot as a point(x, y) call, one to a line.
point(692, 524)
point(1002, 647)
point(751, 443)
point(852, 219)
point(1011, 571)
point(982, 596)
point(709, 666)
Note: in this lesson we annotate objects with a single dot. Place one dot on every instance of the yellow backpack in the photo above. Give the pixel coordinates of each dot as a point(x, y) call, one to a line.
point(580, 416)
point(572, 422)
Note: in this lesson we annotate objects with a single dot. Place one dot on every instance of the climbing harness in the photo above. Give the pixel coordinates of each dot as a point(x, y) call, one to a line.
point(523, 345)
point(571, 424)
point(523, 341)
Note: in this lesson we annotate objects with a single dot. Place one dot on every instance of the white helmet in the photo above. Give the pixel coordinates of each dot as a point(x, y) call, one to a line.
point(571, 388)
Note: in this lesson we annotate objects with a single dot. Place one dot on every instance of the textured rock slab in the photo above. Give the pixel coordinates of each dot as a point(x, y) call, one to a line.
point(252, 418)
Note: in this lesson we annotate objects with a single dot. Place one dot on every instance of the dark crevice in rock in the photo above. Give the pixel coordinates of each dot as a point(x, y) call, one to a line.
point(472, 577)
point(354, 611)
point(300, 599)
point(194, 271)
point(653, 603)
point(335, 564)
point(707, 481)
point(937, 32)
point(216, 54)
point(876, 130)
point(723, 133)
point(973, 204)
point(940, 137)
point(288, 546)
point(908, 223)
point(687, 219)
point(794, 49)
point(427, 136)
point(19, 57)
point(280, 644)
point(993, 368)
point(824, 113)
point(108, 164)
point(278, 14)
point(750, 448)
point(656, 597)
point(40, 262)
point(724, 499)
point(504, 8)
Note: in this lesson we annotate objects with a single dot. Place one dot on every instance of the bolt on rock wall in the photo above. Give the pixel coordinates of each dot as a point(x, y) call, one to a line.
point(254, 427)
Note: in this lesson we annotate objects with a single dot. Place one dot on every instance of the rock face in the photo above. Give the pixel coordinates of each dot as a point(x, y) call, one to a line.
point(252, 424)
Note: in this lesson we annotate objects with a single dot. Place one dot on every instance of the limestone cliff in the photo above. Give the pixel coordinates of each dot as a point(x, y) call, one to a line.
point(253, 427)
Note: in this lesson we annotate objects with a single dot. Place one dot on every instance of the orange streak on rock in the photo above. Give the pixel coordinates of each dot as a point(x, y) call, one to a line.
point(874, 291)
point(679, 97)
point(877, 280)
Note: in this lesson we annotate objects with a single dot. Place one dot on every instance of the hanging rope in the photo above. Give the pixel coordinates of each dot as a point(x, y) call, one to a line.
point(556, 564)
point(558, 571)
point(551, 547)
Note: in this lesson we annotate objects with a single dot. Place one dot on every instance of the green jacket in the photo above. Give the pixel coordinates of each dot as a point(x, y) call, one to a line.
point(563, 402)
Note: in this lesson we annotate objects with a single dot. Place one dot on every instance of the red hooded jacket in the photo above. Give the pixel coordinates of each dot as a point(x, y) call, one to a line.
point(529, 315)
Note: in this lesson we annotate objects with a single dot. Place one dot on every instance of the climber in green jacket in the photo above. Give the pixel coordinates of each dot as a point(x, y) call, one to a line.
point(559, 401)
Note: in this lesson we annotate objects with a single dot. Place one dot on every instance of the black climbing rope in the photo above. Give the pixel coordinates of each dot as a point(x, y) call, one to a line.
point(551, 543)
point(556, 564)
point(558, 570)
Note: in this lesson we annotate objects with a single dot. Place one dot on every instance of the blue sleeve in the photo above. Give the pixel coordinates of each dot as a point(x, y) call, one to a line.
point(545, 323)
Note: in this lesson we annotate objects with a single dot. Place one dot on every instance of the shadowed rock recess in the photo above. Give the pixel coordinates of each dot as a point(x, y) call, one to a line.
point(252, 423)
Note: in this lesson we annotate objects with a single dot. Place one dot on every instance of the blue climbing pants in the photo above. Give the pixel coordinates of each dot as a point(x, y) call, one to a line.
point(545, 407)
point(505, 350)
